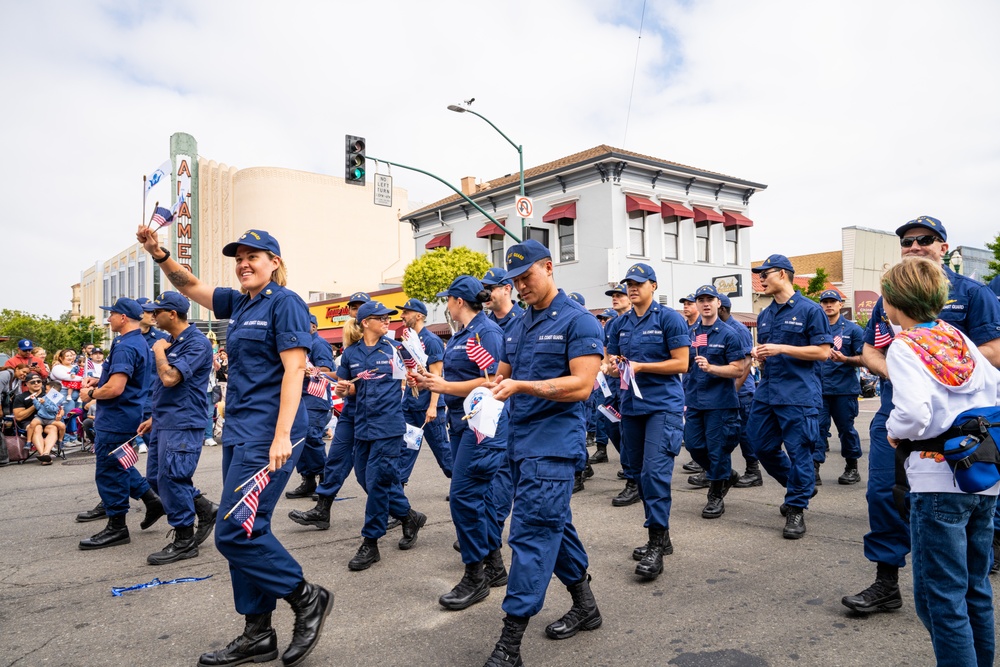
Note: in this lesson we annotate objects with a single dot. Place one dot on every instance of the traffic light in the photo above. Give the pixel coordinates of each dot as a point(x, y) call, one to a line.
point(354, 158)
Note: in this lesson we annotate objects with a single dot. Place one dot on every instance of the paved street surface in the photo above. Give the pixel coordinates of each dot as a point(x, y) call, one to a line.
point(733, 593)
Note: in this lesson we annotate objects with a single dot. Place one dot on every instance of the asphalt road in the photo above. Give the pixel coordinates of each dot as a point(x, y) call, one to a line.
point(734, 593)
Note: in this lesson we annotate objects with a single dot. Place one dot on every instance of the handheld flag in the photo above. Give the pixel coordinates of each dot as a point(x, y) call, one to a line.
point(701, 340)
point(415, 346)
point(369, 375)
point(478, 354)
point(159, 174)
point(407, 358)
point(483, 412)
point(628, 376)
point(883, 336)
point(602, 383)
point(413, 437)
point(245, 511)
point(263, 470)
point(608, 411)
point(161, 217)
point(318, 387)
point(126, 455)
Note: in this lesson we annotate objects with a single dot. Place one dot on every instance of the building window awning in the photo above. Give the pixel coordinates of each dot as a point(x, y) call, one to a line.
point(733, 219)
point(635, 203)
point(439, 241)
point(669, 208)
point(489, 229)
point(560, 212)
point(705, 214)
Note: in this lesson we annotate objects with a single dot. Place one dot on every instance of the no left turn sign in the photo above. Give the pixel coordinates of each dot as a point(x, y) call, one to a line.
point(525, 207)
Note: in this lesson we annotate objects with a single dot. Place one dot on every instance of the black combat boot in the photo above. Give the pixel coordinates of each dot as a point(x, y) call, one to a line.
point(583, 615)
point(507, 652)
point(114, 534)
point(816, 465)
point(628, 496)
point(851, 474)
point(183, 547)
point(752, 476)
point(154, 509)
point(207, 512)
point(600, 456)
point(311, 604)
point(699, 481)
point(716, 507)
point(795, 523)
point(883, 595)
point(577, 482)
point(258, 643)
point(668, 548)
point(471, 589)
point(651, 564)
point(692, 467)
point(92, 515)
point(318, 516)
point(588, 471)
point(412, 523)
point(494, 570)
point(367, 555)
point(303, 490)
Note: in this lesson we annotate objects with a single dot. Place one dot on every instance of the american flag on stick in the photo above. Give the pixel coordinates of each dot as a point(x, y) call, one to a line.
point(263, 470)
point(245, 511)
point(407, 358)
point(126, 455)
point(369, 375)
point(883, 335)
point(624, 372)
point(317, 387)
point(479, 436)
point(478, 354)
point(701, 340)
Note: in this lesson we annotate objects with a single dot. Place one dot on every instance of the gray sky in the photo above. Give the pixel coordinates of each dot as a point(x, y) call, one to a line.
point(854, 113)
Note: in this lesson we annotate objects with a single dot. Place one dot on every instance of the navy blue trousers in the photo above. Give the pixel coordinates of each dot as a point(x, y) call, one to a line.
point(114, 484)
point(339, 460)
point(473, 509)
point(377, 473)
point(314, 449)
point(651, 442)
point(797, 427)
point(842, 410)
point(435, 435)
point(711, 436)
point(171, 460)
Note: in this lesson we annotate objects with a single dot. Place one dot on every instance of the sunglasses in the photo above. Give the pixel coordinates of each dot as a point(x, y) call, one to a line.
point(765, 274)
point(923, 240)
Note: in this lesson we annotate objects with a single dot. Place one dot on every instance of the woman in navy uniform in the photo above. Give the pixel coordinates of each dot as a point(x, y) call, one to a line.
point(655, 340)
point(267, 339)
point(476, 463)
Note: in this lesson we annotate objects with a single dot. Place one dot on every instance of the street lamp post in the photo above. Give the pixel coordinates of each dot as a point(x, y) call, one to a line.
point(520, 153)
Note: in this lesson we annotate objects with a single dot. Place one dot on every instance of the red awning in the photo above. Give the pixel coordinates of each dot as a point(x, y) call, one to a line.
point(705, 214)
point(489, 229)
point(439, 241)
point(669, 208)
point(733, 219)
point(559, 212)
point(634, 203)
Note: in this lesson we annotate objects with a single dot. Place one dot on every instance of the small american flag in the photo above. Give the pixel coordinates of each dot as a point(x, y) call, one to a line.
point(245, 511)
point(162, 216)
point(479, 355)
point(126, 456)
point(479, 436)
point(407, 358)
point(317, 387)
point(701, 340)
point(838, 342)
point(625, 373)
point(613, 411)
point(883, 335)
point(370, 375)
point(90, 366)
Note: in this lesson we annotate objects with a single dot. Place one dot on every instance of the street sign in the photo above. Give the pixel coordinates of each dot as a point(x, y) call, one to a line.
point(383, 190)
point(525, 207)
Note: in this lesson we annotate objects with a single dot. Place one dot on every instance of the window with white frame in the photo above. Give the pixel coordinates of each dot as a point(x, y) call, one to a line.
point(539, 234)
point(131, 281)
point(142, 277)
point(701, 236)
point(108, 299)
point(671, 238)
point(566, 230)
point(496, 249)
point(637, 233)
point(732, 245)
point(122, 286)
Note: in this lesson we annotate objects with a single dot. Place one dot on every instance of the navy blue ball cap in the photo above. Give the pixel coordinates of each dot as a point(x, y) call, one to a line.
point(147, 304)
point(25, 345)
point(640, 273)
point(520, 257)
point(416, 305)
point(170, 301)
point(463, 287)
point(127, 307)
point(927, 222)
point(358, 298)
point(253, 238)
point(774, 262)
point(617, 289)
point(496, 276)
point(576, 296)
point(706, 290)
point(313, 319)
point(724, 301)
point(831, 294)
point(689, 298)
point(607, 314)
point(373, 309)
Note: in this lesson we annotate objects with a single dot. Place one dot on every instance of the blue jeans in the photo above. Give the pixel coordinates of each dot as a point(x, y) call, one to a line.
point(952, 537)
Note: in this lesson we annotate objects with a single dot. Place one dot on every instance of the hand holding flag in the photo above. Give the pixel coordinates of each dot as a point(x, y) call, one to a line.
point(125, 454)
point(245, 511)
point(479, 355)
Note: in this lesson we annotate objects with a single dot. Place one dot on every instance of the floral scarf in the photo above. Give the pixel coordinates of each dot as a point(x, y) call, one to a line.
point(942, 350)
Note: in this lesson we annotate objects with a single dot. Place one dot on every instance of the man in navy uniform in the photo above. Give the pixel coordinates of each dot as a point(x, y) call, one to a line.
point(841, 387)
point(549, 363)
point(503, 309)
point(793, 335)
point(745, 387)
point(971, 308)
point(605, 427)
point(147, 325)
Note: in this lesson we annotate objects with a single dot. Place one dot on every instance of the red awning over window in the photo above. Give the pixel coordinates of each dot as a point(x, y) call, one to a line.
point(634, 203)
point(733, 219)
point(439, 241)
point(705, 214)
point(559, 212)
point(489, 229)
point(669, 208)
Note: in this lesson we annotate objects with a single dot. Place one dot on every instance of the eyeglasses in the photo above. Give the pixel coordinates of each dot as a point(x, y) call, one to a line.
point(923, 240)
point(382, 318)
point(33, 382)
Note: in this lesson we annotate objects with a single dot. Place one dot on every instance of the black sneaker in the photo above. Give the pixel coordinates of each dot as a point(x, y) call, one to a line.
point(883, 595)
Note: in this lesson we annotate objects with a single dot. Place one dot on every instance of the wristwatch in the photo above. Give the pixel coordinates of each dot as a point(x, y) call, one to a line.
point(166, 256)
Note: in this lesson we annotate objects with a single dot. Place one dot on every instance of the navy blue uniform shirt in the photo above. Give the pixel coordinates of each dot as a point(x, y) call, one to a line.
point(434, 347)
point(747, 388)
point(515, 312)
point(786, 380)
point(320, 354)
point(841, 379)
point(259, 330)
point(154, 335)
point(459, 368)
point(378, 411)
point(650, 338)
point(129, 355)
point(185, 405)
point(704, 391)
point(539, 346)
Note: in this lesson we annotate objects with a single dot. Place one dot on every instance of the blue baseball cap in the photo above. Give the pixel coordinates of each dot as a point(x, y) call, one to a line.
point(25, 345)
point(520, 257)
point(724, 301)
point(253, 238)
point(127, 307)
point(373, 309)
point(927, 222)
point(464, 287)
point(358, 298)
point(170, 301)
point(617, 289)
point(774, 262)
point(576, 296)
point(706, 290)
point(689, 297)
point(146, 304)
point(496, 276)
point(312, 318)
point(831, 294)
point(416, 305)
point(640, 273)
point(607, 314)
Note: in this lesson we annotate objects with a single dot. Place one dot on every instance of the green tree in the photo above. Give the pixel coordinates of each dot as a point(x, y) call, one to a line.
point(46, 332)
point(816, 286)
point(433, 271)
point(994, 266)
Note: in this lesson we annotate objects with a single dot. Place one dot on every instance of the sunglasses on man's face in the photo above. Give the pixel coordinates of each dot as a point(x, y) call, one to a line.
point(923, 240)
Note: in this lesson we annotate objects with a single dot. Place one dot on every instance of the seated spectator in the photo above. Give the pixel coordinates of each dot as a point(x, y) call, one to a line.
point(48, 426)
point(40, 353)
point(42, 436)
point(95, 363)
point(68, 373)
point(24, 356)
point(10, 386)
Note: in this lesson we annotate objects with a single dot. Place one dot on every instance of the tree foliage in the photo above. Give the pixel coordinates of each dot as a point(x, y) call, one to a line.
point(816, 286)
point(994, 266)
point(433, 271)
point(46, 332)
